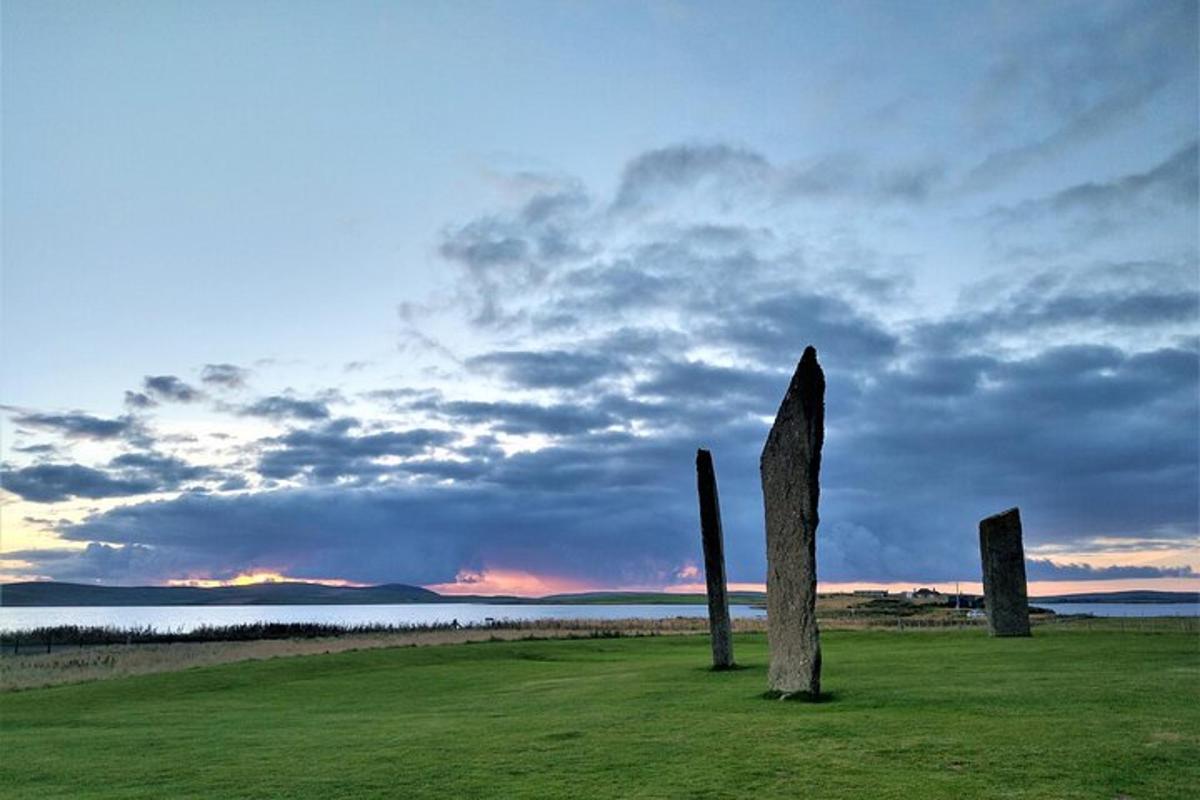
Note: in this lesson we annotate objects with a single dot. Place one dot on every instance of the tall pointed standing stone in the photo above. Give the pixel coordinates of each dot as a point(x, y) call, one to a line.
point(1004, 590)
point(714, 561)
point(791, 467)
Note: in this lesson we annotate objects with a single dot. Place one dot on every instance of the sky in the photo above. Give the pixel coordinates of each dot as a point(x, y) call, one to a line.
point(449, 294)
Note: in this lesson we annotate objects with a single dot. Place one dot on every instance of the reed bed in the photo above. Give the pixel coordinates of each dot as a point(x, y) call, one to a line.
point(73, 654)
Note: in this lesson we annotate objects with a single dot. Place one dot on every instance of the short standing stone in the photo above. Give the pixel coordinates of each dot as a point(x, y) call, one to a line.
point(1004, 591)
point(791, 466)
point(714, 561)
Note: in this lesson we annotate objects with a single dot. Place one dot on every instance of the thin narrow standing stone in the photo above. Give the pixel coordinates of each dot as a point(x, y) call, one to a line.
point(714, 561)
point(791, 467)
point(1004, 591)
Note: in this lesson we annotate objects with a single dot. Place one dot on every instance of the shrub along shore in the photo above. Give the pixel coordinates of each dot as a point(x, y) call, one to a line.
point(73, 654)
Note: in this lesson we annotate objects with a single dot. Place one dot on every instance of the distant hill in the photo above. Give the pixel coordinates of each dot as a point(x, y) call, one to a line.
point(49, 593)
point(651, 598)
point(1135, 596)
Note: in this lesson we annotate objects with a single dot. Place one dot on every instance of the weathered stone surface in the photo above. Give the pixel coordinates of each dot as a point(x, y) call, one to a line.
point(1004, 590)
point(791, 467)
point(714, 561)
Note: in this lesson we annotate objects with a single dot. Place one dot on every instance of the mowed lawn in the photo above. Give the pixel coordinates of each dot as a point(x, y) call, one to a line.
point(918, 714)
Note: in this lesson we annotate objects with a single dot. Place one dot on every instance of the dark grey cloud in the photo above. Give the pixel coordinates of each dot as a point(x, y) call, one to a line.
point(769, 327)
point(170, 388)
point(78, 425)
point(226, 376)
point(1075, 436)
point(699, 382)
point(1038, 569)
point(558, 419)
point(484, 244)
point(234, 483)
point(333, 452)
point(52, 483)
point(1173, 182)
point(284, 407)
point(412, 534)
point(731, 174)
point(423, 532)
point(503, 252)
point(673, 169)
point(126, 475)
point(166, 471)
point(139, 401)
point(547, 368)
point(1151, 299)
point(38, 450)
point(125, 564)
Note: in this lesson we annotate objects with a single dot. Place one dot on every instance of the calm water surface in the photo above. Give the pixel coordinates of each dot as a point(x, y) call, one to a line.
point(1120, 609)
point(185, 618)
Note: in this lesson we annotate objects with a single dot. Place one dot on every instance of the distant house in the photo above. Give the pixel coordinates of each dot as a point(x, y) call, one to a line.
point(870, 593)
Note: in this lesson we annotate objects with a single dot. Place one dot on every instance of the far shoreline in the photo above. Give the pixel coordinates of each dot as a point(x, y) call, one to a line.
point(55, 594)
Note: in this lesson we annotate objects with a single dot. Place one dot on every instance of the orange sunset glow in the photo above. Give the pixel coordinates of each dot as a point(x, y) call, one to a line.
point(255, 577)
point(512, 582)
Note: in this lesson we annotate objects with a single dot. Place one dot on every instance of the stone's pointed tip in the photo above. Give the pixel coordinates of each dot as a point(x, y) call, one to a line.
point(809, 366)
point(703, 456)
point(809, 360)
point(1014, 510)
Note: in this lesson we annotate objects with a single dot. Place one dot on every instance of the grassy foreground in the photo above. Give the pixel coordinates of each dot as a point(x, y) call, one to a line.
point(918, 714)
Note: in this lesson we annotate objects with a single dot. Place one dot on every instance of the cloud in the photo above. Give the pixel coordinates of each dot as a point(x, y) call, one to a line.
point(547, 368)
point(409, 534)
point(52, 483)
point(166, 471)
point(139, 401)
point(78, 425)
point(225, 376)
point(284, 407)
point(560, 419)
point(624, 338)
point(503, 251)
point(126, 475)
point(38, 450)
point(1038, 569)
point(911, 464)
point(170, 388)
point(1082, 80)
point(331, 452)
point(672, 169)
point(1108, 204)
point(125, 564)
point(1173, 180)
point(766, 327)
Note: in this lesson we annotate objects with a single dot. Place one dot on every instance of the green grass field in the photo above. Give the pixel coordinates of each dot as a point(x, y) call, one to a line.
point(929, 714)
